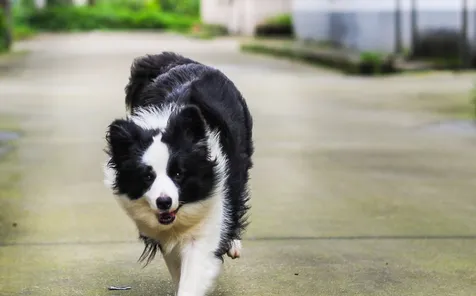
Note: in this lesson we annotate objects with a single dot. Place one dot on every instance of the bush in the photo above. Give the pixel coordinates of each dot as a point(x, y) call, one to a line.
point(366, 64)
point(183, 7)
point(89, 18)
point(279, 26)
point(375, 63)
point(51, 3)
point(3, 32)
point(21, 32)
point(437, 43)
point(441, 46)
point(132, 5)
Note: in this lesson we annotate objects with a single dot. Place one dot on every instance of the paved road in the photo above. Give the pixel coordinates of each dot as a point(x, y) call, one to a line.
point(348, 198)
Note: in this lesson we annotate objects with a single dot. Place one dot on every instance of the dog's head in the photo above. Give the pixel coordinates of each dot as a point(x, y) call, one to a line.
point(161, 165)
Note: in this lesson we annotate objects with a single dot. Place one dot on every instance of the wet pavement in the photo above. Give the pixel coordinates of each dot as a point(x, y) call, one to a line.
point(349, 197)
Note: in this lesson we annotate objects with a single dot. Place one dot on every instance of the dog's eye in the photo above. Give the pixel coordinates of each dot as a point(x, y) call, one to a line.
point(149, 177)
point(178, 176)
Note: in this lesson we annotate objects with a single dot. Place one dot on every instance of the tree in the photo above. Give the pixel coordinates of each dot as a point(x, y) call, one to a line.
point(91, 2)
point(5, 24)
point(50, 3)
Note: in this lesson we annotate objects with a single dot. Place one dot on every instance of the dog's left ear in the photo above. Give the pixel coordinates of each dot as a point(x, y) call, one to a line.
point(191, 123)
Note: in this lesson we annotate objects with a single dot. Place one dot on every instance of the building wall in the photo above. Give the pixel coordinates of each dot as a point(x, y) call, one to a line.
point(241, 16)
point(259, 10)
point(216, 12)
point(356, 24)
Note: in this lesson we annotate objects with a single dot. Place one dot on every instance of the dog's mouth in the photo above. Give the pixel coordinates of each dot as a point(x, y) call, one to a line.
point(167, 218)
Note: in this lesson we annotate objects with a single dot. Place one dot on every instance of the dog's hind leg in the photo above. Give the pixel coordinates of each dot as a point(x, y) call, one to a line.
point(235, 249)
point(200, 267)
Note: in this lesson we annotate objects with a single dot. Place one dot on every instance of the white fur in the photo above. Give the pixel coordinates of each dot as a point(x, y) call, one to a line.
point(235, 250)
point(153, 117)
point(157, 156)
point(189, 242)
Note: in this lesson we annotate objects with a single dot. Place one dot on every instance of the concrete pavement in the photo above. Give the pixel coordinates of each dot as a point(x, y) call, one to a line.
point(350, 196)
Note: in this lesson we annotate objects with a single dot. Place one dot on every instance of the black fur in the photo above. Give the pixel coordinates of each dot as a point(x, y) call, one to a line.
point(189, 165)
point(150, 249)
point(158, 80)
point(126, 143)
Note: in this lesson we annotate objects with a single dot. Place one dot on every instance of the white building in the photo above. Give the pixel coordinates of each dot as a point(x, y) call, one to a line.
point(241, 16)
point(369, 25)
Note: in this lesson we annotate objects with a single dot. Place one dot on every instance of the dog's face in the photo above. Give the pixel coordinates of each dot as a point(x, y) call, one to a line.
point(160, 165)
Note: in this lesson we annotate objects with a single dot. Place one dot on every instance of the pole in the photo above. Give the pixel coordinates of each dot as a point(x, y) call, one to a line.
point(398, 27)
point(414, 26)
point(463, 47)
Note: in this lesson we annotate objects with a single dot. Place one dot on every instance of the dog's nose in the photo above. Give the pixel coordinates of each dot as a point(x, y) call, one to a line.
point(163, 203)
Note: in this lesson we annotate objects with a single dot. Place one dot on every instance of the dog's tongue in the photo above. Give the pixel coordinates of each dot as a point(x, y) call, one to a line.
point(170, 214)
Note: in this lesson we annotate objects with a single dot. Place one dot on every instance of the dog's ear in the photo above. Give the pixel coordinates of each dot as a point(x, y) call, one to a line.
point(208, 93)
point(188, 123)
point(146, 68)
point(123, 137)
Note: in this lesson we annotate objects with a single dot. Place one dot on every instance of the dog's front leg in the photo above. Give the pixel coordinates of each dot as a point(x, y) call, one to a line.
point(200, 267)
point(173, 265)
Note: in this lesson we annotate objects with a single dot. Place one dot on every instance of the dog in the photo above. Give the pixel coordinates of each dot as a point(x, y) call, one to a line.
point(179, 163)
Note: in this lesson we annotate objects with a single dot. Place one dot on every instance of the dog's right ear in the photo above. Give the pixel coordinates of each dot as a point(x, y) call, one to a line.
point(125, 139)
point(121, 136)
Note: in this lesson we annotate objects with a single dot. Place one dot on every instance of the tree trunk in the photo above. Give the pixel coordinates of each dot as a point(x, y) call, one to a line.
point(6, 35)
point(91, 2)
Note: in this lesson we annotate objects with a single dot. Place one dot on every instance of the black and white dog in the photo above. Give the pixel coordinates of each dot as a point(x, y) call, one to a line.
point(178, 164)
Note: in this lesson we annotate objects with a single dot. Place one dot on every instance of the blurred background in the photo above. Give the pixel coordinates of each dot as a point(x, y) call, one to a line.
point(364, 115)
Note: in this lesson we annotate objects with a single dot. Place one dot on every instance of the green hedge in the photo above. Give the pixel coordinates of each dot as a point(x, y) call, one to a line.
point(3, 32)
point(365, 64)
point(89, 18)
point(280, 25)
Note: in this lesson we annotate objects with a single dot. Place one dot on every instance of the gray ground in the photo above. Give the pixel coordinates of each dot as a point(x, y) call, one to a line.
point(352, 193)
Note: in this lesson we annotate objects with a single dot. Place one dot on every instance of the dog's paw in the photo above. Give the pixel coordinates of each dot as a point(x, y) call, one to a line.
point(235, 249)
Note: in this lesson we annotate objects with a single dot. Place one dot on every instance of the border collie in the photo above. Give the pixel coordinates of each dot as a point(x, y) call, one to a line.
point(178, 165)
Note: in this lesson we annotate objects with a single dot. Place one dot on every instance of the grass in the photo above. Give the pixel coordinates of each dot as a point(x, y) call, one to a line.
point(9, 60)
point(449, 105)
point(8, 123)
point(456, 106)
point(22, 32)
point(9, 177)
point(473, 101)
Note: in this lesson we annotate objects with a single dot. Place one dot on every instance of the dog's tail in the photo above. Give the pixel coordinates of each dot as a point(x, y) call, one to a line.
point(146, 68)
